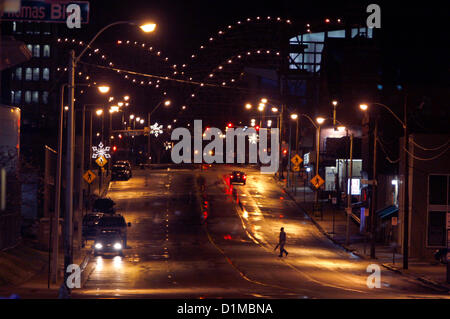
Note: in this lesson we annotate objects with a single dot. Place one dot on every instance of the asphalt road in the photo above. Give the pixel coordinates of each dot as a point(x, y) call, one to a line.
point(195, 236)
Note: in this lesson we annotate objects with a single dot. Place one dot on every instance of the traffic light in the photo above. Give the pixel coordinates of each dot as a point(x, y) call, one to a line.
point(257, 128)
point(114, 148)
point(230, 125)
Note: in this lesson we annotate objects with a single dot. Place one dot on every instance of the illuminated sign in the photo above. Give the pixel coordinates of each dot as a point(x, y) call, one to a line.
point(356, 186)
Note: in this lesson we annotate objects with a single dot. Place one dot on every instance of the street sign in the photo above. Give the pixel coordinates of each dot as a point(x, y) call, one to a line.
point(394, 221)
point(296, 160)
point(46, 11)
point(317, 181)
point(89, 176)
point(296, 168)
point(101, 161)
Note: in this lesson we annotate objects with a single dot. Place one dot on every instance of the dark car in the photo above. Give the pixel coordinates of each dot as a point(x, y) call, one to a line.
point(238, 177)
point(114, 223)
point(120, 172)
point(127, 164)
point(109, 241)
point(90, 222)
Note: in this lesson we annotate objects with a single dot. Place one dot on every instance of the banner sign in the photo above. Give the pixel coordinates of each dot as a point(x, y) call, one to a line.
point(46, 11)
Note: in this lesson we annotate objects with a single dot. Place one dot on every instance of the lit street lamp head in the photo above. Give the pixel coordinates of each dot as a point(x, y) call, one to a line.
point(294, 116)
point(264, 100)
point(103, 89)
point(248, 106)
point(99, 112)
point(167, 102)
point(334, 102)
point(363, 107)
point(320, 120)
point(148, 27)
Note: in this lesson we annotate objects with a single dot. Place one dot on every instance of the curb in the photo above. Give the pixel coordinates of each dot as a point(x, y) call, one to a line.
point(424, 280)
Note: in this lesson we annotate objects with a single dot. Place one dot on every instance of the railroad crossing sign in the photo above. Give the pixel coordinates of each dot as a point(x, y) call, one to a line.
point(89, 176)
point(296, 160)
point(101, 161)
point(317, 181)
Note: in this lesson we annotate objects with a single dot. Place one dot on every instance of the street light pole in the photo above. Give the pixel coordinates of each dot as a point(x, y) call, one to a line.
point(349, 192)
point(374, 192)
point(406, 188)
point(68, 228)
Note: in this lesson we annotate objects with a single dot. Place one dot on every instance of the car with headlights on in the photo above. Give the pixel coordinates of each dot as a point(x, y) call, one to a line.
point(108, 242)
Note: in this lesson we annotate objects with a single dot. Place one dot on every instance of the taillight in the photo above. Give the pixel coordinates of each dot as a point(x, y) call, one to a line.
point(245, 177)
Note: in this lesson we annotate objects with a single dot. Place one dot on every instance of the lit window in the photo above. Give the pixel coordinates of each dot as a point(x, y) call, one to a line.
point(30, 47)
point(28, 97)
point(46, 51)
point(36, 74)
point(17, 97)
point(35, 96)
point(12, 97)
point(19, 74)
point(14, 26)
point(36, 50)
point(46, 74)
point(28, 74)
point(45, 97)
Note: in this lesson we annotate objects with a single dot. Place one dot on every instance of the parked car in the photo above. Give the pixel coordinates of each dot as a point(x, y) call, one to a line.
point(238, 177)
point(104, 205)
point(114, 223)
point(127, 165)
point(120, 172)
point(90, 222)
point(109, 241)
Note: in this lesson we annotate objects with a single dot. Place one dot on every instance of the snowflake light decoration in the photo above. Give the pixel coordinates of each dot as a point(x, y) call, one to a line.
point(156, 129)
point(100, 151)
point(253, 138)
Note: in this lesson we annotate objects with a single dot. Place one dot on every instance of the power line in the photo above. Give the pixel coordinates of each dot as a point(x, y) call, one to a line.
point(426, 159)
point(430, 149)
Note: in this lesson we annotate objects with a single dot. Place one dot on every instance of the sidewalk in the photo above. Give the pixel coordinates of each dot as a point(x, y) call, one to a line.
point(431, 273)
point(34, 283)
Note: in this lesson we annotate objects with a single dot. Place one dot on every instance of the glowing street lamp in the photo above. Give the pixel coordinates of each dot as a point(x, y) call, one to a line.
point(167, 102)
point(131, 116)
point(103, 89)
point(99, 112)
point(294, 116)
point(320, 120)
point(126, 97)
point(264, 100)
point(148, 27)
point(364, 107)
point(248, 106)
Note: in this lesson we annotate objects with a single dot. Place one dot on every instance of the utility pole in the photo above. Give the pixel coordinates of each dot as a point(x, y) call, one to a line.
point(68, 214)
point(349, 193)
point(374, 191)
point(149, 135)
point(406, 188)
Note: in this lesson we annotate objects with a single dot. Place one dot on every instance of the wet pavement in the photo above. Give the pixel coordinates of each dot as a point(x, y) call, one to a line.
point(195, 236)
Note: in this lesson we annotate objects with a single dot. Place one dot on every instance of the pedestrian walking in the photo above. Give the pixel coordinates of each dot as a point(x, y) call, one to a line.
point(282, 242)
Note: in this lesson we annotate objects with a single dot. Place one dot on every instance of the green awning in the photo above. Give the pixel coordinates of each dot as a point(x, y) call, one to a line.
point(388, 212)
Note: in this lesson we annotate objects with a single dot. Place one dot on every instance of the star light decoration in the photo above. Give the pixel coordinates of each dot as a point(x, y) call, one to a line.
point(253, 138)
point(100, 151)
point(156, 129)
point(168, 145)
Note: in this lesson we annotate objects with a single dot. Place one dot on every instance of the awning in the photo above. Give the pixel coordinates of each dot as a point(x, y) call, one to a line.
point(389, 211)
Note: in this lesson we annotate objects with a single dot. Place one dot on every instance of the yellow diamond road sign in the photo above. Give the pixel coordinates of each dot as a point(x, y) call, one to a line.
point(101, 161)
point(296, 160)
point(89, 176)
point(296, 168)
point(317, 181)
